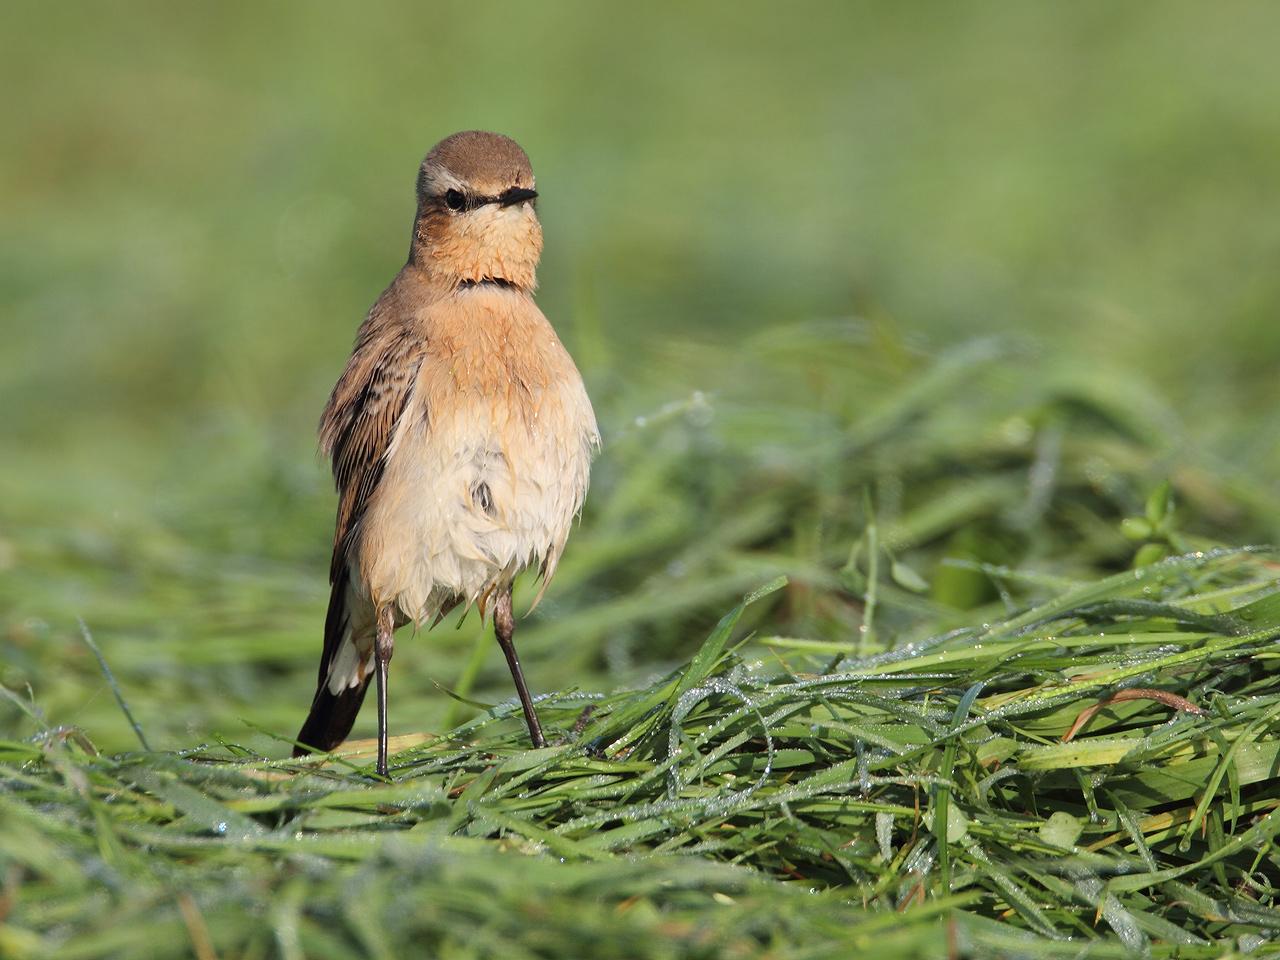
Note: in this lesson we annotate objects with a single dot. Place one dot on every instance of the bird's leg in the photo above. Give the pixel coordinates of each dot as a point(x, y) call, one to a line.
point(504, 625)
point(383, 645)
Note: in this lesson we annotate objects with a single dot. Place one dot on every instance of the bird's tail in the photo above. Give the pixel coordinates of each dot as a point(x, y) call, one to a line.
point(333, 714)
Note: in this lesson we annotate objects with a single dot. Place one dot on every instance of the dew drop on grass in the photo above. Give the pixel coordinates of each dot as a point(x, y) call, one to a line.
point(220, 827)
point(700, 412)
point(1120, 920)
point(884, 835)
point(1249, 942)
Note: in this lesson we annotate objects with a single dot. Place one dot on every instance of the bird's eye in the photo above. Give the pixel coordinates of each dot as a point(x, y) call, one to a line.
point(454, 200)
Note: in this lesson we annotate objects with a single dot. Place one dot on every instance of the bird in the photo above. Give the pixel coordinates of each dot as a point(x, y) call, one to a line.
point(460, 434)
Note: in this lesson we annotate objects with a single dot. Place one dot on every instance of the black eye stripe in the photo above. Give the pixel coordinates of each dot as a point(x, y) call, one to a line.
point(457, 201)
point(516, 195)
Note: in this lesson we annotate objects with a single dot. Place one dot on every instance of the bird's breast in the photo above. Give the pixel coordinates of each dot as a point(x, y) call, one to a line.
point(490, 461)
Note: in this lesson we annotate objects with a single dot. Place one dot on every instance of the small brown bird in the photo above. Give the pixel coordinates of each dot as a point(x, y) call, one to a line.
point(460, 432)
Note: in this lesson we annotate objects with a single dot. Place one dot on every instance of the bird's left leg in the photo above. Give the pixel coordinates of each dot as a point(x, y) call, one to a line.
point(383, 645)
point(504, 625)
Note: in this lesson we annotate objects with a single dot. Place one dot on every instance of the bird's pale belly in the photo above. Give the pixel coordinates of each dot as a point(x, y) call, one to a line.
point(471, 498)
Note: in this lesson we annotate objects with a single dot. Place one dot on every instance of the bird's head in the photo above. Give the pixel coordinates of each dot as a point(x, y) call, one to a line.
point(476, 222)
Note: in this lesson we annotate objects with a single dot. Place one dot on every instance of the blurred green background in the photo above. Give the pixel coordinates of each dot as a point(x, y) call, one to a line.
point(998, 269)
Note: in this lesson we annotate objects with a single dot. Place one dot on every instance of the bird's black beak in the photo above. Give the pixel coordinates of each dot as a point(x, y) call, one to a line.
point(516, 195)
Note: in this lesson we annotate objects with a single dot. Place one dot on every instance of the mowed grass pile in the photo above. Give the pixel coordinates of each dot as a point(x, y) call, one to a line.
point(880, 749)
point(915, 802)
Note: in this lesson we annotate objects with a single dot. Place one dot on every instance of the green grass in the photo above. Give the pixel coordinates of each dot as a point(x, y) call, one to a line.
point(960, 318)
point(918, 802)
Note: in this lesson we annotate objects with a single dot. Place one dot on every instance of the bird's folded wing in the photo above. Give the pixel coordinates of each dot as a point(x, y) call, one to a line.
point(360, 421)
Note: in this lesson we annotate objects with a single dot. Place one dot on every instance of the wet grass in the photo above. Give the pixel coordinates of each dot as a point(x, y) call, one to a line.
point(917, 733)
point(921, 801)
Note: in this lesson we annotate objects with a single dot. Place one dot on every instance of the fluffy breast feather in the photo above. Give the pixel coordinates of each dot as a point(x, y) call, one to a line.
point(489, 462)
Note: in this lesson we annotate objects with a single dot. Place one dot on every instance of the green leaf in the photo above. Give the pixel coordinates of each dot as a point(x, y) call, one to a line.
point(907, 578)
point(1160, 505)
point(1149, 554)
point(1061, 829)
point(1135, 528)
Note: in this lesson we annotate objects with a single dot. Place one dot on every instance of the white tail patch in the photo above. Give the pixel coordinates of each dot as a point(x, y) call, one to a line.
point(348, 667)
point(350, 664)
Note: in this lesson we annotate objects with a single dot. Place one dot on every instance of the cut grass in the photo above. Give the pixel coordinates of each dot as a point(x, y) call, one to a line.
point(917, 802)
point(863, 758)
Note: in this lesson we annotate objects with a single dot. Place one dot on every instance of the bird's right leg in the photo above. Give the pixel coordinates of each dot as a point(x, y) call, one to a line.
point(504, 625)
point(383, 645)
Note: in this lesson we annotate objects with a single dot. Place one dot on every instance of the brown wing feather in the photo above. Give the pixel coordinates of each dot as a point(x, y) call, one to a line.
point(355, 432)
point(360, 420)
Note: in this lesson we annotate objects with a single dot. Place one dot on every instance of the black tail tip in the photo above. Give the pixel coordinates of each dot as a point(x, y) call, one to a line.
point(331, 718)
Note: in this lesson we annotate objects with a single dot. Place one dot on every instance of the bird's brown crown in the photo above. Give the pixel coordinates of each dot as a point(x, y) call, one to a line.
point(476, 223)
point(486, 162)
